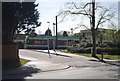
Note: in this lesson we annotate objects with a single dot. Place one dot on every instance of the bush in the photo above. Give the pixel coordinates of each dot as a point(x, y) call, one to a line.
point(85, 47)
point(114, 51)
point(99, 50)
point(111, 44)
point(89, 45)
point(21, 44)
point(88, 50)
point(79, 50)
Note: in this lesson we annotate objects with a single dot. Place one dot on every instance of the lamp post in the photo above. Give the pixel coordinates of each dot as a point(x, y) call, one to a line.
point(56, 33)
point(73, 29)
point(57, 30)
point(54, 39)
point(53, 29)
point(48, 39)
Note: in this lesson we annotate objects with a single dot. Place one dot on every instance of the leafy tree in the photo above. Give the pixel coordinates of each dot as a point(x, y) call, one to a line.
point(117, 36)
point(48, 32)
point(17, 17)
point(60, 33)
point(65, 34)
point(96, 19)
point(33, 33)
point(111, 35)
point(78, 34)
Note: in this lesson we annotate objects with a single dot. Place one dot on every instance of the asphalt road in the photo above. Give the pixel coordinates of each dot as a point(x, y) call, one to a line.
point(80, 68)
point(75, 73)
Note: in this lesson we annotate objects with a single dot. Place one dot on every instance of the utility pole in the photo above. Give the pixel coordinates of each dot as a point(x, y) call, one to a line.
point(56, 33)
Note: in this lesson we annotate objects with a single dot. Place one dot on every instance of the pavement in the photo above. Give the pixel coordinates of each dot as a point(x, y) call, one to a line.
point(37, 66)
point(34, 66)
point(73, 55)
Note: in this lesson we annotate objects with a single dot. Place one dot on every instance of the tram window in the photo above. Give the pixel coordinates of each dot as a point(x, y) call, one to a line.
point(40, 42)
point(62, 42)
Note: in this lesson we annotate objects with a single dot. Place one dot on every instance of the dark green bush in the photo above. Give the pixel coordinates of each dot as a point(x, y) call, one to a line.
point(111, 48)
point(114, 51)
point(79, 50)
point(89, 45)
point(88, 50)
point(99, 50)
point(20, 44)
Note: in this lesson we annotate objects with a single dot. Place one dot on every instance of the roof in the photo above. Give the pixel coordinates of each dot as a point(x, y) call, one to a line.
point(21, 37)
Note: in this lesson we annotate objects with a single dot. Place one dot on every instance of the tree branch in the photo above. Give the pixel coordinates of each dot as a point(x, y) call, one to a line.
point(101, 18)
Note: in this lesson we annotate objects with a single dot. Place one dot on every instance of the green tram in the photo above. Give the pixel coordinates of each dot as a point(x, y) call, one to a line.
point(50, 41)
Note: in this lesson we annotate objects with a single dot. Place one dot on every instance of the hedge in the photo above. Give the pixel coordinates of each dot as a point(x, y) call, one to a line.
point(20, 44)
point(110, 51)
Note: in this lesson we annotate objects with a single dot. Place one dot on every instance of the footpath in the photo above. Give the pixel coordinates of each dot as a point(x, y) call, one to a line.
point(35, 65)
point(73, 55)
point(112, 62)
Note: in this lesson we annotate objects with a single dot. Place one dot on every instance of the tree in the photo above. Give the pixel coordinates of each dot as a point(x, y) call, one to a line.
point(60, 33)
point(96, 19)
point(117, 36)
point(18, 17)
point(111, 35)
point(48, 32)
point(65, 34)
point(78, 34)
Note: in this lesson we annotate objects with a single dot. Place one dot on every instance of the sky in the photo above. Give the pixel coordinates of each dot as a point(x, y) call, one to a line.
point(48, 9)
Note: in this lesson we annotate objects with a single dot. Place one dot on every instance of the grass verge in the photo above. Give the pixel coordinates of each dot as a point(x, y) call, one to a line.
point(23, 61)
point(110, 57)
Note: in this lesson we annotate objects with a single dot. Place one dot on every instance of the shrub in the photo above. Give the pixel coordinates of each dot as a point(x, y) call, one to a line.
point(114, 51)
point(99, 50)
point(89, 45)
point(20, 44)
point(79, 50)
point(88, 50)
point(85, 47)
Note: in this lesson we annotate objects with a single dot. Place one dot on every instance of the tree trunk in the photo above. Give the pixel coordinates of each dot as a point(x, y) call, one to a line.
point(10, 57)
point(94, 43)
point(93, 29)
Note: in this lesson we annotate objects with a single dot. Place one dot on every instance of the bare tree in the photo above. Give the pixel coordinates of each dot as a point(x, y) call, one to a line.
point(96, 14)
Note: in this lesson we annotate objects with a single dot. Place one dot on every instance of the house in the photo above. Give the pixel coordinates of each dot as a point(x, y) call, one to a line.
point(101, 32)
point(21, 37)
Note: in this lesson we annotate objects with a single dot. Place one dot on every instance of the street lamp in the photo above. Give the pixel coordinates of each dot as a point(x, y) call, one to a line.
point(48, 39)
point(73, 29)
point(54, 39)
point(57, 29)
point(56, 33)
point(53, 29)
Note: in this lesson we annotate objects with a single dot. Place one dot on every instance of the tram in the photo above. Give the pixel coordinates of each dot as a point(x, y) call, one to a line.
point(49, 41)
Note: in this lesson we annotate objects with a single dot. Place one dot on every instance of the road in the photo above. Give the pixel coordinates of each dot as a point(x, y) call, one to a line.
point(80, 68)
point(75, 73)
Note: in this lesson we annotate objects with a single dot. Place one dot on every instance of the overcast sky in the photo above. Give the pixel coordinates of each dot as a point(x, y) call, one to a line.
point(48, 9)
